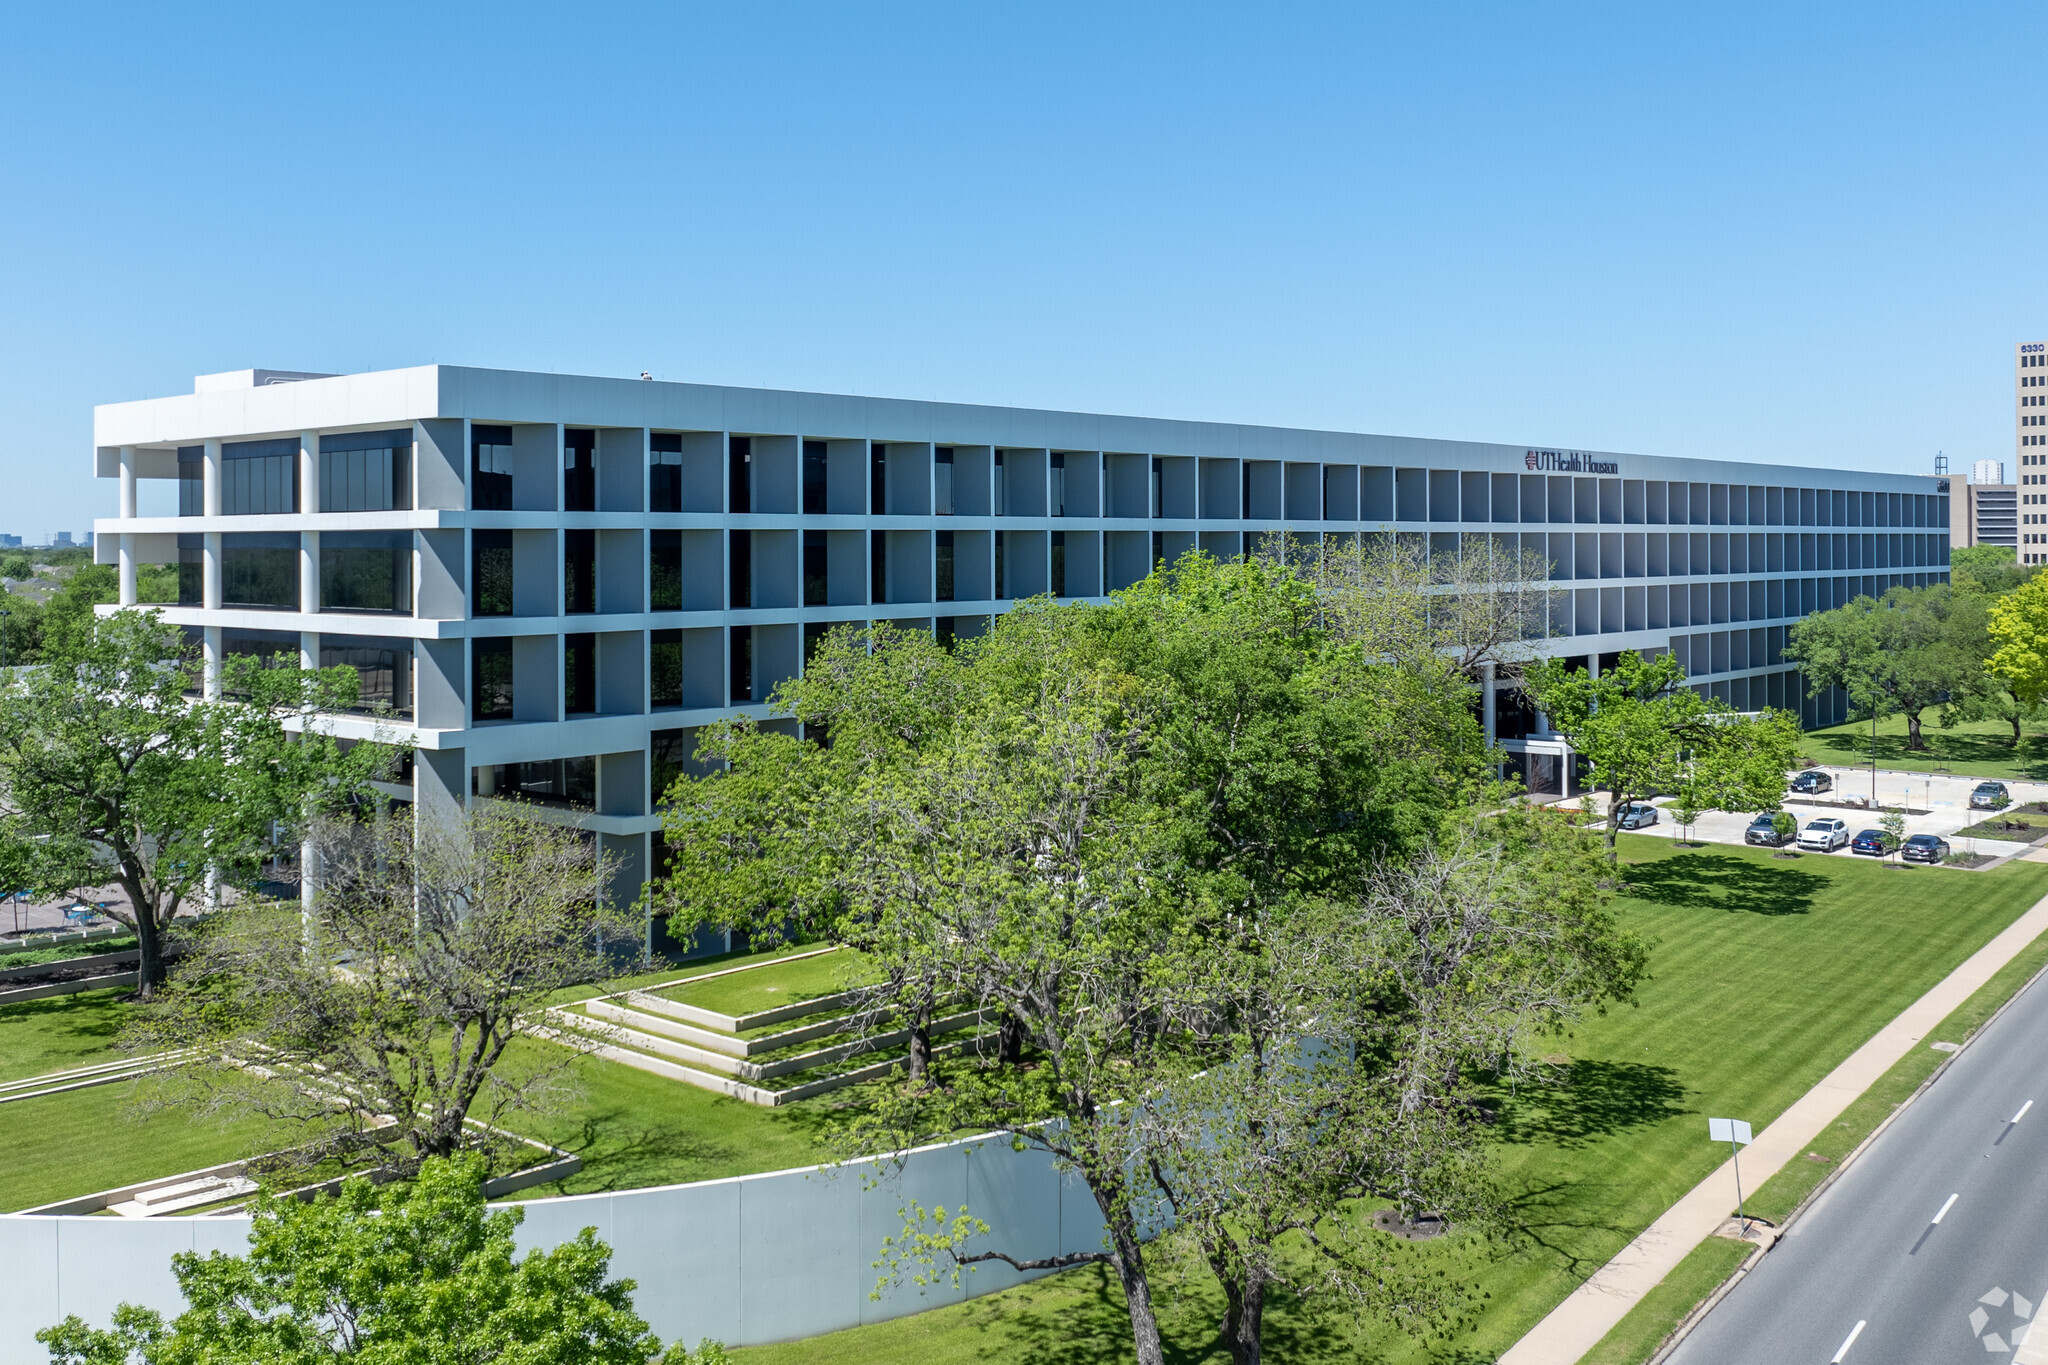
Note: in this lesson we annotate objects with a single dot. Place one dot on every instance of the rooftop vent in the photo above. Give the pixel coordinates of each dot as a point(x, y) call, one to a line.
point(250, 379)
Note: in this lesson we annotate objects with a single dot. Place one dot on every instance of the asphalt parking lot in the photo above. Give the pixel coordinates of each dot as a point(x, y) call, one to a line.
point(1945, 799)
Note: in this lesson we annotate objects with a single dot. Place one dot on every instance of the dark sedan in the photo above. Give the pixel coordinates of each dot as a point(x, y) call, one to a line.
point(1869, 841)
point(1812, 782)
point(1924, 848)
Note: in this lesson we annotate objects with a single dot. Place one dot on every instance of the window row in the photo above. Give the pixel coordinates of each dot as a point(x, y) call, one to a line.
point(363, 471)
point(360, 571)
point(539, 467)
point(383, 665)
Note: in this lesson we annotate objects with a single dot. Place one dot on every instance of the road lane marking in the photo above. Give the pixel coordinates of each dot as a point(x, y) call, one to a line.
point(1850, 1340)
point(1944, 1210)
point(2022, 1114)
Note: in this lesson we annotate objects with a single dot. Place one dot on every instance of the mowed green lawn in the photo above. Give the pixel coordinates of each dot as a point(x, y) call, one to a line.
point(1766, 974)
point(82, 1141)
point(1978, 748)
point(634, 1129)
point(59, 1034)
point(764, 988)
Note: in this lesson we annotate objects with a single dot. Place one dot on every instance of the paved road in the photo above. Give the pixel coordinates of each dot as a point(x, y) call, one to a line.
point(1873, 1253)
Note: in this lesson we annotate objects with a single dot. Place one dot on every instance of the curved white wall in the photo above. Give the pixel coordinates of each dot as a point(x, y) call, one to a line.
point(752, 1259)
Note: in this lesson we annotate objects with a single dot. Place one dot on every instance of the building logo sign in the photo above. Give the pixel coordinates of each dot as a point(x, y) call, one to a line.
point(1569, 462)
point(2032, 347)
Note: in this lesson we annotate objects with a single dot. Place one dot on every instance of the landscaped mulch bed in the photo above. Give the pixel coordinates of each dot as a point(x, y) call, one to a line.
point(2016, 828)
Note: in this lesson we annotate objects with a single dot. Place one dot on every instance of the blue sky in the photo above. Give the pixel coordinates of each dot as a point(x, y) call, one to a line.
point(1804, 233)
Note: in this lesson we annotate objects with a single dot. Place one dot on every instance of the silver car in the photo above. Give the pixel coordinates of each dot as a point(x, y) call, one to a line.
point(1636, 816)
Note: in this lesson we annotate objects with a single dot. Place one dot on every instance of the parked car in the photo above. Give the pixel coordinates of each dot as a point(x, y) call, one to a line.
point(1990, 796)
point(1636, 816)
point(1868, 841)
point(1824, 835)
point(1764, 830)
point(1924, 848)
point(1812, 782)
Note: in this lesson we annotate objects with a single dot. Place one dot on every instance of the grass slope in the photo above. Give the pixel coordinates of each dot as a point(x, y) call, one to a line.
point(764, 988)
point(633, 1129)
point(1979, 748)
point(82, 1141)
point(60, 1033)
point(1767, 974)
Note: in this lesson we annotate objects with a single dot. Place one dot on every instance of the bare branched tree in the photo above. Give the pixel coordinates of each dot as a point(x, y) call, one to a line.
point(1485, 602)
point(384, 1020)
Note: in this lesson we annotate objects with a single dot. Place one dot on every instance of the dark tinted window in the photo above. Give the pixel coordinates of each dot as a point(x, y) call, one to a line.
point(490, 454)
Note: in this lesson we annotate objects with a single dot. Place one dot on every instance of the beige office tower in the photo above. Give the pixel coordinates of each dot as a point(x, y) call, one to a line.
point(2030, 429)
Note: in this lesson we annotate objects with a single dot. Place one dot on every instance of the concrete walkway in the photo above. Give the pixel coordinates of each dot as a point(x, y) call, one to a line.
point(1575, 1326)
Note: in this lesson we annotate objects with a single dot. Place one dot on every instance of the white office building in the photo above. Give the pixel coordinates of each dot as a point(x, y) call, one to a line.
point(551, 580)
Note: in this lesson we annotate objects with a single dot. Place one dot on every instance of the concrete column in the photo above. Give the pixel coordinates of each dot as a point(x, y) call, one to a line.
point(309, 474)
point(309, 649)
point(309, 571)
point(210, 487)
point(210, 586)
point(309, 885)
point(128, 588)
point(1488, 685)
point(128, 499)
point(209, 684)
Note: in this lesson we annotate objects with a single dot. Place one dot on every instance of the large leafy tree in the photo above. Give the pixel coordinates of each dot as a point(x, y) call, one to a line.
point(1355, 1025)
point(113, 772)
point(2017, 627)
point(1093, 825)
point(1909, 650)
point(1642, 731)
point(453, 937)
point(419, 1273)
point(1992, 570)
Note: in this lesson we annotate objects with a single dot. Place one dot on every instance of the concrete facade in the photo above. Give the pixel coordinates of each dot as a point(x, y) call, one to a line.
point(556, 578)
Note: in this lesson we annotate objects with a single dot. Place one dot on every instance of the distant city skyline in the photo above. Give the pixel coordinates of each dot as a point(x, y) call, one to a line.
point(1639, 230)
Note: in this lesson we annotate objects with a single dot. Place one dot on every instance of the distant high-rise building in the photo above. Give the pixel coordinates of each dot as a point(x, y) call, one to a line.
point(8, 542)
point(62, 540)
point(1988, 471)
point(2030, 437)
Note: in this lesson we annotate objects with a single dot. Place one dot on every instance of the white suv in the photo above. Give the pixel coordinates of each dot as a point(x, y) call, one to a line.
point(1824, 836)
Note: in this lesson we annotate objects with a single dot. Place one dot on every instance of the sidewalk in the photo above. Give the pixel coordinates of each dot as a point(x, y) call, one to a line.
point(1575, 1326)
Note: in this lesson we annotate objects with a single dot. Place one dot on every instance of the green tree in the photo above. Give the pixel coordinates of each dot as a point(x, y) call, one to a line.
point(1989, 570)
point(1354, 1026)
point(417, 1273)
point(117, 775)
point(1902, 653)
point(2017, 627)
point(1093, 825)
point(1642, 731)
point(1893, 823)
point(1993, 700)
point(457, 936)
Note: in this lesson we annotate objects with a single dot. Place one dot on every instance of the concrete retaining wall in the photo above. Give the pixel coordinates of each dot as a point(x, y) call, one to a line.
point(753, 1259)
